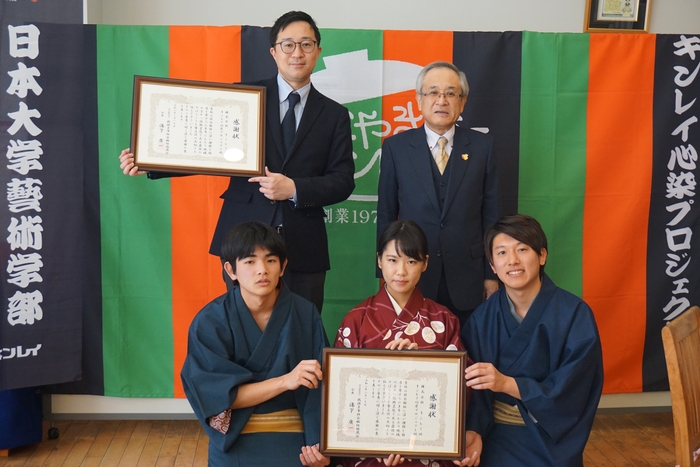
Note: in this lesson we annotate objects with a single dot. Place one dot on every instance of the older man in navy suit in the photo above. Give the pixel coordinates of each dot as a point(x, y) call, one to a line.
point(443, 176)
point(308, 159)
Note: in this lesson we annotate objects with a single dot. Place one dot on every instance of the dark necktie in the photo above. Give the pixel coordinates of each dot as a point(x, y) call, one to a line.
point(289, 123)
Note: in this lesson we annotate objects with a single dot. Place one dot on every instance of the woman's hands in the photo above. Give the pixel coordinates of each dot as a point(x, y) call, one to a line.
point(401, 344)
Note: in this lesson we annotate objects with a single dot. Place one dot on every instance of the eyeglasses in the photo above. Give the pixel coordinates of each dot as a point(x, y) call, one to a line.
point(288, 47)
point(434, 95)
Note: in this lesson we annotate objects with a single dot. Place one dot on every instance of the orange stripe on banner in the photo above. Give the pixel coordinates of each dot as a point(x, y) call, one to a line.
point(618, 190)
point(206, 54)
point(400, 109)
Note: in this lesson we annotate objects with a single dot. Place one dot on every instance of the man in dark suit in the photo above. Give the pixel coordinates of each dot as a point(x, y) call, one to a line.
point(443, 177)
point(308, 159)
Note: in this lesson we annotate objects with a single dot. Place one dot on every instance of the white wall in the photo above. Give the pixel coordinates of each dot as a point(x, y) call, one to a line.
point(666, 16)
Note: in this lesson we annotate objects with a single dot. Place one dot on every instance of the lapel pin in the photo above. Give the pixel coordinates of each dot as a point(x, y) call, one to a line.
point(465, 157)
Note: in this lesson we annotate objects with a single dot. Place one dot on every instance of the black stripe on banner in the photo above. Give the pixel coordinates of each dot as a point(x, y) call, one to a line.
point(256, 61)
point(492, 63)
point(42, 213)
point(673, 253)
point(92, 381)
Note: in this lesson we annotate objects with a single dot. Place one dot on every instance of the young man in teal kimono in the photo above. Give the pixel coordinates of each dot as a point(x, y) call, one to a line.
point(539, 372)
point(252, 370)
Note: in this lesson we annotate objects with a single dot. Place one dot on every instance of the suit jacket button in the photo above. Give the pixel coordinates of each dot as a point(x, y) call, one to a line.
point(442, 226)
point(439, 253)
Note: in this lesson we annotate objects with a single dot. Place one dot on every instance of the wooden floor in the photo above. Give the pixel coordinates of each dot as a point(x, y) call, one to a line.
point(618, 440)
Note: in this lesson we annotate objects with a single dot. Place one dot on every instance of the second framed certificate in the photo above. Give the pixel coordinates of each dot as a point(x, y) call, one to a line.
point(198, 127)
point(382, 402)
point(617, 16)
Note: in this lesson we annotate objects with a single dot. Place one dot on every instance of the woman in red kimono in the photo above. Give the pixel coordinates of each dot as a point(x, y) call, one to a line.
point(399, 317)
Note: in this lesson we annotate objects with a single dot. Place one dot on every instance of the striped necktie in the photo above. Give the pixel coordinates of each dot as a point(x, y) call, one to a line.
point(442, 157)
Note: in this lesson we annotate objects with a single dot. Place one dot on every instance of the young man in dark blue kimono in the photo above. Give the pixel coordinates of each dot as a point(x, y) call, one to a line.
point(252, 370)
point(539, 371)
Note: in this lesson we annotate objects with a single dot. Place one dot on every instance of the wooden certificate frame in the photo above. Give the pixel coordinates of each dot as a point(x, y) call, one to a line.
point(197, 127)
point(617, 16)
point(382, 402)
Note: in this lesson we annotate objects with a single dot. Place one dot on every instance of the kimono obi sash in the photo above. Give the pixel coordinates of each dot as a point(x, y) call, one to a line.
point(287, 421)
point(507, 414)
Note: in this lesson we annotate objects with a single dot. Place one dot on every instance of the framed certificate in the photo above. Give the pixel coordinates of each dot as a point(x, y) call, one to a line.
point(617, 16)
point(198, 127)
point(382, 402)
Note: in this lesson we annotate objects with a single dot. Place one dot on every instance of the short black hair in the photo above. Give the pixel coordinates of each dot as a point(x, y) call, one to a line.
point(242, 240)
point(409, 239)
point(289, 18)
point(521, 227)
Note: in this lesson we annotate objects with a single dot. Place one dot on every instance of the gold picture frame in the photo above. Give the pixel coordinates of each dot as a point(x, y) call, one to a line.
point(197, 127)
point(617, 16)
point(381, 402)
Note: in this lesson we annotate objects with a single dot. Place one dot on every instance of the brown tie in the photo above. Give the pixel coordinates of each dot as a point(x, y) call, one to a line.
point(442, 156)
